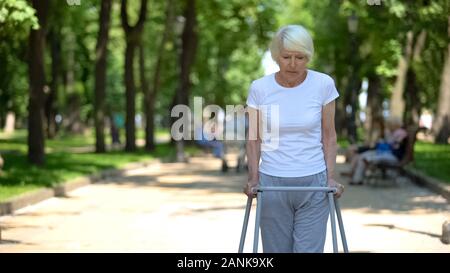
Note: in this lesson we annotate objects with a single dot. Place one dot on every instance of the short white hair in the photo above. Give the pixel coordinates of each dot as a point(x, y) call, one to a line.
point(292, 38)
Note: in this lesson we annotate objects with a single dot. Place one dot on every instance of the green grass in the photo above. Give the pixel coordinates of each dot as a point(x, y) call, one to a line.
point(343, 143)
point(62, 163)
point(19, 176)
point(433, 160)
point(17, 141)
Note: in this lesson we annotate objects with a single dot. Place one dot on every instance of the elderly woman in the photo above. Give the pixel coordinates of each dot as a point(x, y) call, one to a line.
point(305, 153)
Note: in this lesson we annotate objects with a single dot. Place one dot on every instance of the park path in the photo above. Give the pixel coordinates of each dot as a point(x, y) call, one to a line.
point(193, 207)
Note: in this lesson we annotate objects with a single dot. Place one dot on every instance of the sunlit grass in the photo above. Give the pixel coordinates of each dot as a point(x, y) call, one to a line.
point(61, 164)
point(19, 176)
point(433, 159)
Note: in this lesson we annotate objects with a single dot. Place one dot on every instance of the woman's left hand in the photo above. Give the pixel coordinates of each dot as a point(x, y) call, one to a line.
point(340, 188)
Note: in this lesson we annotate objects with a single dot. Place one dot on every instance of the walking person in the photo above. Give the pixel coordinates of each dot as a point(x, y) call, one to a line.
point(305, 153)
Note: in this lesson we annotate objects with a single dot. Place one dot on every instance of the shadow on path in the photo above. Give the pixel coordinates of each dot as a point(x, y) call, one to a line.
point(434, 235)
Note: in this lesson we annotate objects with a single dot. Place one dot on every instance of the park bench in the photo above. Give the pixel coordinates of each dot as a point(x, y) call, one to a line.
point(387, 173)
point(238, 149)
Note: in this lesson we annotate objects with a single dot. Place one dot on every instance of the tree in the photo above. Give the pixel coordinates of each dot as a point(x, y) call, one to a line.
point(36, 142)
point(133, 37)
point(101, 51)
point(233, 39)
point(441, 126)
point(151, 91)
point(187, 57)
point(17, 17)
point(413, 47)
point(52, 97)
point(56, 21)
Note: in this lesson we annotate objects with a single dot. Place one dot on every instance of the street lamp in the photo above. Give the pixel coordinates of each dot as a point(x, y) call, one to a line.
point(179, 25)
point(352, 23)
point(352, 89)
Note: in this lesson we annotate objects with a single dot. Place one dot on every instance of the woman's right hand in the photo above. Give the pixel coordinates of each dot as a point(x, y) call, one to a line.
point(249, 188)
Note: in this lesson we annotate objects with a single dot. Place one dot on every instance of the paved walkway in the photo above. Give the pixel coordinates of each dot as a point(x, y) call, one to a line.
point(193, 207)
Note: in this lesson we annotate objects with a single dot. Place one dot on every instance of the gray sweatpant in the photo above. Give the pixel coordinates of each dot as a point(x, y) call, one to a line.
point(294, 221)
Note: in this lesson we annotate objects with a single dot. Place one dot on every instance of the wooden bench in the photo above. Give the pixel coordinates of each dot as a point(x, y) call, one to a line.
point(383, 172)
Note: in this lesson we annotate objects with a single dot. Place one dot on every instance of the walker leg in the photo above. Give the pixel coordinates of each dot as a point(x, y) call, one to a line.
point(333, 223)
point(257, 221)
point(341, 225)
point(245, 225)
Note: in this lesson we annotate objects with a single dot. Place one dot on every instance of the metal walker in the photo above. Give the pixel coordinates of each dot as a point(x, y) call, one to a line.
point(334, 207)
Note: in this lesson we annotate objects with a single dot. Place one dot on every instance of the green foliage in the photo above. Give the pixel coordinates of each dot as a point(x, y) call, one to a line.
point(169, 70)
point(433, 159)
point(233, 38)
point(16, 19)
point(243, 69)
point(381, 36)
point(327, 25)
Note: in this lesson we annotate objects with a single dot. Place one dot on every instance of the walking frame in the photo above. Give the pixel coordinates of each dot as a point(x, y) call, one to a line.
point(332, 201)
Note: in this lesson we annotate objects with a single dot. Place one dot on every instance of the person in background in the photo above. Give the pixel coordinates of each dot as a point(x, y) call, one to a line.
point(210, 140)
point(390, 150)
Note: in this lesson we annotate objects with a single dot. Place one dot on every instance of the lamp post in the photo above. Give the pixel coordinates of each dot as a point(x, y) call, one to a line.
point(352, 23)
point(352, 88)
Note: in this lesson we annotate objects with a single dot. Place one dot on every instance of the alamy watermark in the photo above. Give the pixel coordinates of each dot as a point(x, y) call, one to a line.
point(373, 2)
point(73, 2)
point(212, 122)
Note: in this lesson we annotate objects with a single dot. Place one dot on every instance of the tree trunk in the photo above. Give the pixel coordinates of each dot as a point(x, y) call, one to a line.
point(72, 122)
point(412, 115)
point(50, 104)
point(130, 128)
point(70, 57)
point(351, 101)
point(151, 92)
point(374, 114)
point(189, 45)
point(441, 125)
point(397, 105)
point(10, 123)
point(340, 117)
point(150, 124)
point(352, 92)
point(100, 75)
point(149, 101)
point(354, 106)
point(36, 141)
point(409, 86)
point(133, 37)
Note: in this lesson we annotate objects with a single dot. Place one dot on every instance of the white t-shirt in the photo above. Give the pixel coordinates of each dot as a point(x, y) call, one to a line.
point(298, 149)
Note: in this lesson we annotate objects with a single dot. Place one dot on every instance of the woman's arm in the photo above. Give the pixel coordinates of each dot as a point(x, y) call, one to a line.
point(253, 149)
point(329, 141)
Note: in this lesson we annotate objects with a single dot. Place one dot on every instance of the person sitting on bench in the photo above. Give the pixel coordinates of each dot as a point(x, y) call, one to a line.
point(210, 141)
point(390, 151)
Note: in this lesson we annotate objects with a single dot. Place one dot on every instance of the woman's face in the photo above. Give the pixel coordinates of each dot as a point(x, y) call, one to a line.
point(292, 63)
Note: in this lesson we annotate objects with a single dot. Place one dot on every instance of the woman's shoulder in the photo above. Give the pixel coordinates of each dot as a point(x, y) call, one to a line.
point(321, 76)
point(264, 80)
point(261, 84)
